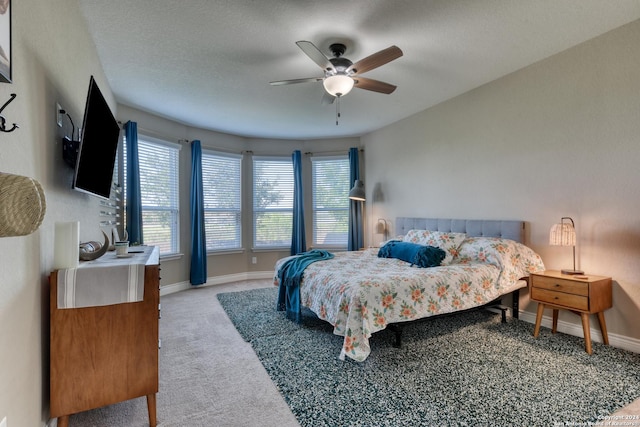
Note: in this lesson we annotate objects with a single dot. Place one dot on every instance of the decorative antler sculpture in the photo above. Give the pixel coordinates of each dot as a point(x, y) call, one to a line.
point(90, 251)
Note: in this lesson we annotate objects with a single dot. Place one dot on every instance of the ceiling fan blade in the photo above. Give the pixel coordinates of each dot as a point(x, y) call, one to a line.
point(373, 85)
point(315, 54)
point(327, 99)
point(293, 81)
point(377, 59)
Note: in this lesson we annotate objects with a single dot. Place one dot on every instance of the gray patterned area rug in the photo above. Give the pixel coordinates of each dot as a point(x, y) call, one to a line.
point(467, 369)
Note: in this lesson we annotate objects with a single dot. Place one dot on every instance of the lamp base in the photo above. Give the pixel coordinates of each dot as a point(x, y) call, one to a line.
point(571, 272)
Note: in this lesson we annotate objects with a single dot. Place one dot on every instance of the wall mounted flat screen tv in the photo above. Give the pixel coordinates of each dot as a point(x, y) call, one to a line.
point(98, 146)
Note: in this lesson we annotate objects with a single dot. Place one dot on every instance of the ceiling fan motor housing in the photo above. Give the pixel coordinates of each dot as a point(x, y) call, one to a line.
point(339, 63)
point(340, 66)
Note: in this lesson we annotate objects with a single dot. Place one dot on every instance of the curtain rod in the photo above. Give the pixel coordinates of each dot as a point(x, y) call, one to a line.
point(330, 153)
point(155, 134)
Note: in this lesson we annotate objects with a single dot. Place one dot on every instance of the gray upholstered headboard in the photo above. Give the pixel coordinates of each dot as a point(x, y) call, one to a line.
point(513, 230)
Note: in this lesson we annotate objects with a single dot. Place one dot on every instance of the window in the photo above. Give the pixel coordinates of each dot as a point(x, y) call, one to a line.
point(221, 181)
point(159, 193)
point(330, 201)
point(272, 202)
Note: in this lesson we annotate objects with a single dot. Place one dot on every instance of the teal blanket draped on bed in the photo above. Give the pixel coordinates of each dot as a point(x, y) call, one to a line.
point(289, 278)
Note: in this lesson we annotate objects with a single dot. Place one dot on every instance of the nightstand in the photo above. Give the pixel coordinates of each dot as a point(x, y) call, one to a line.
point(583, 295)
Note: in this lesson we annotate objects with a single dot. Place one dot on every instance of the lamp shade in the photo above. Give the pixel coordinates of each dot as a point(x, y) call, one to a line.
point(338, 85)
point(357, 192)
point(381, 227)
point(562, 234)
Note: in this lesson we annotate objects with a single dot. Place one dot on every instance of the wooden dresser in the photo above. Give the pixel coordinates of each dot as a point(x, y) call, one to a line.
point(105, 354)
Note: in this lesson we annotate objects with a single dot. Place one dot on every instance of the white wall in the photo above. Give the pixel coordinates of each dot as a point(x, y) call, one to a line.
point(558, 138)
point(53, 58)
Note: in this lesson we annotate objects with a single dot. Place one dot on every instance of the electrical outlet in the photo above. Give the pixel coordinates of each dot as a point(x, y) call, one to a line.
point(59, 122)
point(254, 260)
point(3, 423)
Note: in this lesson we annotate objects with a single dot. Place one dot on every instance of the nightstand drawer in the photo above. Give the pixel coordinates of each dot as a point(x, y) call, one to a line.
point(577, 302)
point(560, 285)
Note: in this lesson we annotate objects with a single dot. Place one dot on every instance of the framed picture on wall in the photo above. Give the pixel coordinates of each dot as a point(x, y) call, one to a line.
point(5, 41)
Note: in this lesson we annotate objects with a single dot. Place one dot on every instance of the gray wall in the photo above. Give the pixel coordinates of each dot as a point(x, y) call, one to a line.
point(558, 138)
point(53, 58)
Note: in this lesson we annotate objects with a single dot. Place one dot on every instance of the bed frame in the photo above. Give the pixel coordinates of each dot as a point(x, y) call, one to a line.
point(514, 230)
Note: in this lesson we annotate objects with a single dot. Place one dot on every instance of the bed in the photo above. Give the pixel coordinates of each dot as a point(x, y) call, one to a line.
point(360, 293)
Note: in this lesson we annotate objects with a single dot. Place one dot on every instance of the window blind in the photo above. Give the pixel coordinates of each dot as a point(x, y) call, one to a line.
point(272, 202)
point(221, 179)
point(330, 186)
point(159, 178)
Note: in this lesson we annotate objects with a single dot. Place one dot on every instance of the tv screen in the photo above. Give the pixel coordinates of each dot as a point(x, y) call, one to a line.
point(98, 146)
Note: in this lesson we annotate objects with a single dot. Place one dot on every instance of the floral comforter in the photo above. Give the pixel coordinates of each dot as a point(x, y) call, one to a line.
point(359, 293)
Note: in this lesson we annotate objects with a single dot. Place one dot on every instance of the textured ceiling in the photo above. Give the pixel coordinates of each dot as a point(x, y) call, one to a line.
point(208, 63)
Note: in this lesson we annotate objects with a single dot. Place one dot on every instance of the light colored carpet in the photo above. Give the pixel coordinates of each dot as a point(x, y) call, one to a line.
point(209, 376)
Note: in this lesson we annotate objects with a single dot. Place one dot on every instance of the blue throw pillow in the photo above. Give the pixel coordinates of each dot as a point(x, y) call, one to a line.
point(420, 255)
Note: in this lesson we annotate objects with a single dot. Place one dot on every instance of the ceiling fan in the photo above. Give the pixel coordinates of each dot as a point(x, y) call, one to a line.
point(341, 75)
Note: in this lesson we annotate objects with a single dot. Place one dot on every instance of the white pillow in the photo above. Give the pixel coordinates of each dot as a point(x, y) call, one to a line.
point(447, 241)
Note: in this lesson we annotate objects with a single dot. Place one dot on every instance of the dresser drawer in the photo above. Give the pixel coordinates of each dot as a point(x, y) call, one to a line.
point(577, 302)
point(560, 285)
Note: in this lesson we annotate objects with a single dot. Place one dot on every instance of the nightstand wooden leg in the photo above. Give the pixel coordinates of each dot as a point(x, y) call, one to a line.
point(151, 407)
point(536, 330)
point(554, 329)
point(63, 421)
point(587, 332)
point(603, 328)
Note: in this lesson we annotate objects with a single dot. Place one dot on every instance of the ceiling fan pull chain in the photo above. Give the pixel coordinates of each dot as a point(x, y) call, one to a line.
point(337, 109)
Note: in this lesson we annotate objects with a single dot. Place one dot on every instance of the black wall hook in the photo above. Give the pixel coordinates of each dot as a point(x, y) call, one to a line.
point(3, 121)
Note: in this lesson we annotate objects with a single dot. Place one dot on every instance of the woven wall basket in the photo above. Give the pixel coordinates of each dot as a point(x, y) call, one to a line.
point(22, 205)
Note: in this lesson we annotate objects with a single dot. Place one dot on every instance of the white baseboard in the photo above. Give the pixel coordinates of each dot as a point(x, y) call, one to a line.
point(615, 340)
point(217, 280)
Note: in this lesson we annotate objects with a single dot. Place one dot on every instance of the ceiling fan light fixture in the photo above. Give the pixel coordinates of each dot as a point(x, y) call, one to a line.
point(338, 84)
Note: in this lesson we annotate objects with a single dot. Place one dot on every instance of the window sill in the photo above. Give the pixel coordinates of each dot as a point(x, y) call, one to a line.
point(171, 257)
point(226, 251)
point(272, 249)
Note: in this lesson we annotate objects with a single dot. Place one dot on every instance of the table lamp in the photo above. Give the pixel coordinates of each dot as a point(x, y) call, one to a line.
point(564, 234)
